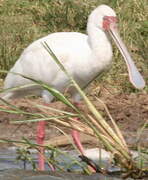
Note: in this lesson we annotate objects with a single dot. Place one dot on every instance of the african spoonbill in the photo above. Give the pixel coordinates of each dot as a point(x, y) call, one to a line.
point(84, 56)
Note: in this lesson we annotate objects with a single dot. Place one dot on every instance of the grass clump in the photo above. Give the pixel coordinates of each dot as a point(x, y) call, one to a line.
point(94, 124)
point(110, 137)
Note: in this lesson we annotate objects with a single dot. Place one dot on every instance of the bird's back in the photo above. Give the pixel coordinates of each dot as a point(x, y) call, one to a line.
point(71, 48)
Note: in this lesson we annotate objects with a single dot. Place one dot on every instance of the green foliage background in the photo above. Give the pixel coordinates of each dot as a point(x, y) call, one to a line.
point(23, 21)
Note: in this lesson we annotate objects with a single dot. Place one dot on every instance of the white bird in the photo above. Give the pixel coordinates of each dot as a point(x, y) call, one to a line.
point(84, 56)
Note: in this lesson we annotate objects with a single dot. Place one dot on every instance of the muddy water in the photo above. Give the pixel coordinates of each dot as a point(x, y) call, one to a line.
point(11, 169)
point(15, 174)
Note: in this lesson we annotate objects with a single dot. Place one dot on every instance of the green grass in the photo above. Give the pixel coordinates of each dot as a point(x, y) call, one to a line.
point(24, 21)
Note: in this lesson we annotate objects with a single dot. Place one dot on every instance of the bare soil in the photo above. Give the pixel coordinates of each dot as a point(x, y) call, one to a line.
point(130, 111)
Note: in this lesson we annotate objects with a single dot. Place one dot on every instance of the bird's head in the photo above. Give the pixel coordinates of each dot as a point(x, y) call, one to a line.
point(104, 18)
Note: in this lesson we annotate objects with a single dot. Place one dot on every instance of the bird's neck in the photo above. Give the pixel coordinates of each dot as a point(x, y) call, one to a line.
point(98, 41)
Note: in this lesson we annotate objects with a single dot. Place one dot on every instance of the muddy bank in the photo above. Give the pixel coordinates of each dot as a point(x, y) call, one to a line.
point(129, 111)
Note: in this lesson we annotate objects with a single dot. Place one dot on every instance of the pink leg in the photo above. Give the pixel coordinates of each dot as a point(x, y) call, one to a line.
point(76, 135)
point(40, 141)
point(76, 138)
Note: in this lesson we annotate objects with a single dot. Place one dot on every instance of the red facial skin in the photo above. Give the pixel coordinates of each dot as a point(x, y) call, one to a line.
point(108, 20)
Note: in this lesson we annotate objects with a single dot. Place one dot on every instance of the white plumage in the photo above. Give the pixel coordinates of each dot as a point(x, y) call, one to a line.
point(84, 56)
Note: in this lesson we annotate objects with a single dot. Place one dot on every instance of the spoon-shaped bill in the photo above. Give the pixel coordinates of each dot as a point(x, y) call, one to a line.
point(134, 75)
